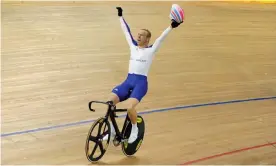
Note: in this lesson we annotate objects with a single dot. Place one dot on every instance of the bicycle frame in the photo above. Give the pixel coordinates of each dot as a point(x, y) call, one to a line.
point(110, 113)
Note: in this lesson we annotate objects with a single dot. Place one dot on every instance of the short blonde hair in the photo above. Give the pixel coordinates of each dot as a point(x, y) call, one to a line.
point(149, 33)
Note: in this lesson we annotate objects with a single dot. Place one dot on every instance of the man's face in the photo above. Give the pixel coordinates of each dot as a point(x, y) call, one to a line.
point(142, 38)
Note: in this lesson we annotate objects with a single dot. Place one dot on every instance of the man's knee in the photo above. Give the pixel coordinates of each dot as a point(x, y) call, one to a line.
point(114, 98)
point(132, 103)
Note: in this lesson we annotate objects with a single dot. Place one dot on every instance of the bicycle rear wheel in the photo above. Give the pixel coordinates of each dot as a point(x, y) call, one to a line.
point(94, 140)
point(131, 149)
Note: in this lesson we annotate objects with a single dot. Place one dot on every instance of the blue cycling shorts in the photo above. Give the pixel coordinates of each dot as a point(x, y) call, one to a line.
point(135, 86)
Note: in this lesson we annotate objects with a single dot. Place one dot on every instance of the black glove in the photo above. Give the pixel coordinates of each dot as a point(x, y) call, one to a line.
point(120, 11)
point(175, 24)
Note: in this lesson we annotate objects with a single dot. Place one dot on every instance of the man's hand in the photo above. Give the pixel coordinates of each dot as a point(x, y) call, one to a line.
point(120, 11)
point(175, 24)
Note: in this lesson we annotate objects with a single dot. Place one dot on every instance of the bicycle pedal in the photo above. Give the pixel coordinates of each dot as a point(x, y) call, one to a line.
point(124, 140)
point(116, 142)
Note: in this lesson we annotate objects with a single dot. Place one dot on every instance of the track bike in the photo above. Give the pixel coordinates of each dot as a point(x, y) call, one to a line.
point(104, 128)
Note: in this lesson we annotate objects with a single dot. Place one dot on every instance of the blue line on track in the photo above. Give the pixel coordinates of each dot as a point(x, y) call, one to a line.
point(146, 112)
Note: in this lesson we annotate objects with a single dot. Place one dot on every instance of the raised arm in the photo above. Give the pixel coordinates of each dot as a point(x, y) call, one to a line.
point(156, 45)
point(125, 28)
point(127, 32)
point(162, 37)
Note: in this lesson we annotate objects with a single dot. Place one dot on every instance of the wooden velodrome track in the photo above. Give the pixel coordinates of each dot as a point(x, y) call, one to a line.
point(56, 57)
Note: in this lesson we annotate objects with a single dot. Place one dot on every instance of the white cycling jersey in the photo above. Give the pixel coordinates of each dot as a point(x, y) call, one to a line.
point(141, 58)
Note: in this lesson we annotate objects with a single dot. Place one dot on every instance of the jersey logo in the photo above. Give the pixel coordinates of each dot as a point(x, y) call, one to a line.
point(141, 60)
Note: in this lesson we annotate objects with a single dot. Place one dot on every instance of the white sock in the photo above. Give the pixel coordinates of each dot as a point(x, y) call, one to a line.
point(134, 127)
point(134, 133)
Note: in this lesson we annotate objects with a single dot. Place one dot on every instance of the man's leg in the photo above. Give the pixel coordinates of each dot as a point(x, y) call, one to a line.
point(114, 98)
point(118, 94)
point(139, 91)
point(132, 114)
point(131, 109)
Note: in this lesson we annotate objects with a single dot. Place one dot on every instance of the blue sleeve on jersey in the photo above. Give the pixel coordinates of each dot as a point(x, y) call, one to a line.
point(127, 31)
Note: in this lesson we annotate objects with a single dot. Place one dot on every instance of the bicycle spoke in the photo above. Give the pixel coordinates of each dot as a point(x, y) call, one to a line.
point(104, 127)
point(100, 127)
point(94, 150)
point(101, 147)
point(92, 138)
